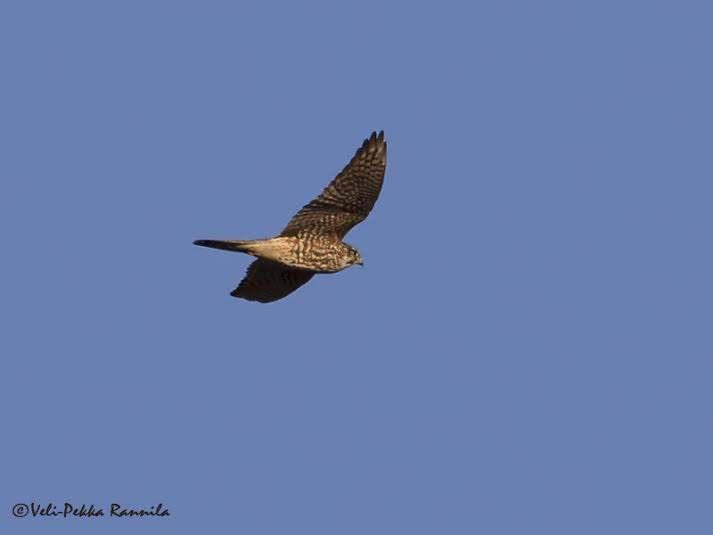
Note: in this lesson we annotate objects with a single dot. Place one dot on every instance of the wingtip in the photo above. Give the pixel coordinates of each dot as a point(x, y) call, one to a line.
point(375, 138)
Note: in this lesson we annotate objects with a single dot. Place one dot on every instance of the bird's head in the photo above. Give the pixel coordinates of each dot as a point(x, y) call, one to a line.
point(353, 256)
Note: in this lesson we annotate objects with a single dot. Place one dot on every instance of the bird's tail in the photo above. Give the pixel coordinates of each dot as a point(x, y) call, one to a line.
point(242, 246)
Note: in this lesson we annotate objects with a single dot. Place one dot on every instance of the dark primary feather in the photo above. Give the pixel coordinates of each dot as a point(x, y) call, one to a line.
point(348, 199)
point(268, 281)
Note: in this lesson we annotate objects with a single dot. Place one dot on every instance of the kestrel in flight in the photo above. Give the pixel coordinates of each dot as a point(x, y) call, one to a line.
point(312, 241)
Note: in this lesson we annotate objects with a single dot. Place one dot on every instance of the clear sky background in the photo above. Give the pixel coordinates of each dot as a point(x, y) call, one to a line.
point(527, 349)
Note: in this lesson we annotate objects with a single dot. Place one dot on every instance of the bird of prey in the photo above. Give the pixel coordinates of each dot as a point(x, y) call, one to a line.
point(312, 240)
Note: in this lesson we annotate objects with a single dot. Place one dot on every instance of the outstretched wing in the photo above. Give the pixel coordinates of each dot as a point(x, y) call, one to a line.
point(349, 198)
point(269, 281)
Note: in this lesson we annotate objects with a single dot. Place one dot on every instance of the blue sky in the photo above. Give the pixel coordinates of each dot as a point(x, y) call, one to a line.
point(527, 349)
